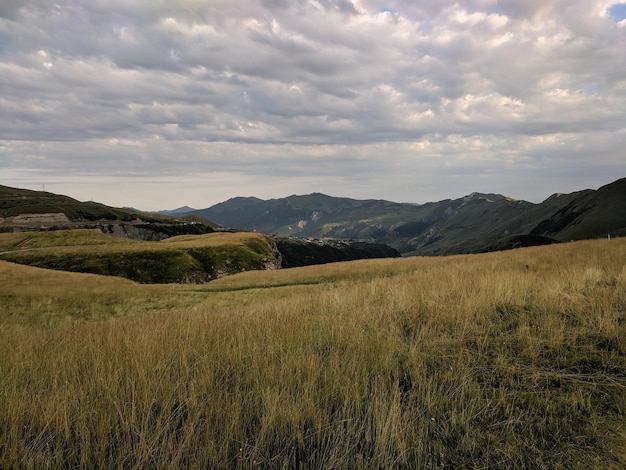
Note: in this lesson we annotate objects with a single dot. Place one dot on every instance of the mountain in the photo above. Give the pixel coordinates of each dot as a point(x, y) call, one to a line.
point(178, 211)
point(590, 215)
point(476, 222)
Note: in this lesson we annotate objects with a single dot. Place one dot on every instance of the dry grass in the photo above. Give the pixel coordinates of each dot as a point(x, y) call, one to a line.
point(34, 298)
point(94, 241)
point(514, 359)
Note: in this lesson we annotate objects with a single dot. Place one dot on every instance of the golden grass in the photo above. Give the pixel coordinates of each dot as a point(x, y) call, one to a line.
point(503, 360)
point(34, 298)
point(74, 238)
point(94, 241)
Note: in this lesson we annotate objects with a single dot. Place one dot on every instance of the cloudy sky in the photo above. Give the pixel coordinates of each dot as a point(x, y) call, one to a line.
point(160, 103)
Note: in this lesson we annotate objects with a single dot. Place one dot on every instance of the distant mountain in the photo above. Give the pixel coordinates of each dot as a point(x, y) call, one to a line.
point(179, 211)
point(470, 224)
point(474, 223)
point(301, 215)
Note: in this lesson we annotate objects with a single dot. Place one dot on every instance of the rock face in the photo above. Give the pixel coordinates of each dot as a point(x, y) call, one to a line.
point(132, 232)
point(297, 252)
point(152, 232)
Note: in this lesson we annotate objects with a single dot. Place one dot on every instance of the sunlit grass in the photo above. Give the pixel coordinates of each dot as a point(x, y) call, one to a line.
point(85, 240)
point(503, 360)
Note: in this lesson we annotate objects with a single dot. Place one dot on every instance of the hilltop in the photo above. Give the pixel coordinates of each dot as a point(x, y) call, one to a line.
point(23, 209)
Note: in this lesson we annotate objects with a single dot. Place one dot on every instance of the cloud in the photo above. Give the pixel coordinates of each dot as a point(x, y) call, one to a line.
point(302, 91)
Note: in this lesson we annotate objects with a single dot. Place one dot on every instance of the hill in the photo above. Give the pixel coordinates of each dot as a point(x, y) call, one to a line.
point(178, 259)
point(23, 209)
point(591, 214)
point(470, 224)
point(179, 210)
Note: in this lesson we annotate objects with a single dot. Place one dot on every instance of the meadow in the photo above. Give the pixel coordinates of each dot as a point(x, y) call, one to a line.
point(514, 359)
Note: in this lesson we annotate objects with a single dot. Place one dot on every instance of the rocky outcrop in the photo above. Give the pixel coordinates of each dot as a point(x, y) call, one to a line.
point(35, 219)
point(152, 232)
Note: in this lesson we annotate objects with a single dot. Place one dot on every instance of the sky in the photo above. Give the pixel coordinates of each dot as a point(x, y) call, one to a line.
point(156, 104)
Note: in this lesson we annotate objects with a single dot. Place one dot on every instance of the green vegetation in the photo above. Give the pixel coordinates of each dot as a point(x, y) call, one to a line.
point(502, 360)
point(16, 202)
point(183, 259)
point(17, 241)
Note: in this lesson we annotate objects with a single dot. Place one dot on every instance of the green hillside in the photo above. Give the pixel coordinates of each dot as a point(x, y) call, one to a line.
point(182, 259)
point(16, 202)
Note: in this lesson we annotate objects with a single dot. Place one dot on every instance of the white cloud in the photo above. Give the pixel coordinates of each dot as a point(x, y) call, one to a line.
point(302, 92)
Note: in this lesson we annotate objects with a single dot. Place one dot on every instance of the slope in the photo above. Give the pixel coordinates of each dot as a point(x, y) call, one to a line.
point(181, 259)
point(23, 209)
point(591, 214)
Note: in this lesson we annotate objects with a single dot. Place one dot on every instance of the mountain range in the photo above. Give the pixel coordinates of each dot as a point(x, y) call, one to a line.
point(474, 223)
point(477, 222)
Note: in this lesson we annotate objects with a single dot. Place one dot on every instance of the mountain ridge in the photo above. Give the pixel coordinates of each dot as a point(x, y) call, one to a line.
point(468, 224)
point(473, 223)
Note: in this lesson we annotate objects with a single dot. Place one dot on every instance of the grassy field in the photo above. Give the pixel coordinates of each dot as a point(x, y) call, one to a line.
point(503, 360)
point(182, 259)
